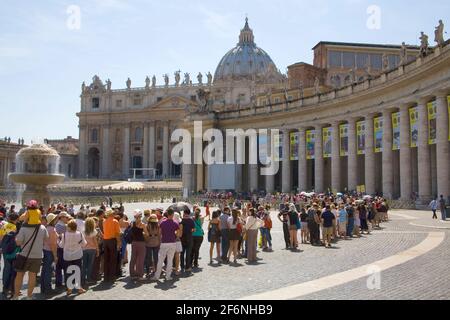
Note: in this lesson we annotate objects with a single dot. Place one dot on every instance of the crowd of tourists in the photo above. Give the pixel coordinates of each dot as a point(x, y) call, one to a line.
point(100, 242)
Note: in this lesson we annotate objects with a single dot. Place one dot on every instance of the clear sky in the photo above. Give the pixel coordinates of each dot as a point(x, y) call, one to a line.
point(43, 62)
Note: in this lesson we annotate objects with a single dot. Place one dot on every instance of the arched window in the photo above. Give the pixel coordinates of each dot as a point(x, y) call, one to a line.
point(94, 136)
point(138, 134)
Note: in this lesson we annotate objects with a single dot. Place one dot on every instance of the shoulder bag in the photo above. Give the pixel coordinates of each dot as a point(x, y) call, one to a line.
point(20, 261)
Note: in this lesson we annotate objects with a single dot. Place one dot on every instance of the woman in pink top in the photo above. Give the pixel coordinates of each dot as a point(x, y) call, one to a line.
point(90, 251)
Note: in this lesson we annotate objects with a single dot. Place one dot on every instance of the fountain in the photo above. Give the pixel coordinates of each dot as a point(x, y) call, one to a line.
point(37, 166)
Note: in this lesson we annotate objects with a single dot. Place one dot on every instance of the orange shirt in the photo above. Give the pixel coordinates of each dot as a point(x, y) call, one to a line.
point(111, 228)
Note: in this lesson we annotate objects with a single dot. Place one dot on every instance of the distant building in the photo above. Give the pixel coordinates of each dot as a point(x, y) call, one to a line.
point(8, 151)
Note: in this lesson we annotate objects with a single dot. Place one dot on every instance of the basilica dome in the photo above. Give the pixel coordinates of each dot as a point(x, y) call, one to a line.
point(245, 61)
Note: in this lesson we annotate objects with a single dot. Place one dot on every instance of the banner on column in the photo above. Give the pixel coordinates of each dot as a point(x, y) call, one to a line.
point(279, 146)
point(431, 107)
point(294, 145)
point(414, 126)
point(396, 131)
point(361, 137)
point(343, 140)
point(310, 139)
point(262, 144)
point(378, 134)
point(326, 140)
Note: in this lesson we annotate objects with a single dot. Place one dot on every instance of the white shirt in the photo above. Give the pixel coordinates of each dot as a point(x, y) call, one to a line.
point(72, 243)
point(253, 223)
point(80, 225)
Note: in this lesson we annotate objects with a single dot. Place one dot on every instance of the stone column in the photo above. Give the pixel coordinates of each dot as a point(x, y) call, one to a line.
point(405, 154)
point(442, 146)
point(200, 179)
point(152, 144)
point(83, 150)
point(388, 177)
point(165, 155)
point(335, 159)
point(369, 171)
point(302, 170)
point(253, 174)
point(270, 179)
point(126, 152)
point(423, 153)
point(106, 153)
point(145, 149)
point(318, 160)
point(352, 161)
point(286, 170)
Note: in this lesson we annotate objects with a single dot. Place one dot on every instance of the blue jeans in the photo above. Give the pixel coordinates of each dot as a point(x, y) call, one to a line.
point(225, 244)
point(151, 258)
point(350, 225)
point(46, 271)
point(266, 235)
point(9, 274)
point(87, 264)
point(60, 271)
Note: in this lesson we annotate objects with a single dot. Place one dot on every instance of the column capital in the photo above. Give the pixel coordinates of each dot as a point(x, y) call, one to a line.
point(423, 100)
point(404, 106)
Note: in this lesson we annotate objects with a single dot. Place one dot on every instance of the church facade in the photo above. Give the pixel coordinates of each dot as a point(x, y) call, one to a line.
point(365, 117)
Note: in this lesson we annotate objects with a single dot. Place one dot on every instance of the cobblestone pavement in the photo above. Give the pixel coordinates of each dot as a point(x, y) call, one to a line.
point(425, 277)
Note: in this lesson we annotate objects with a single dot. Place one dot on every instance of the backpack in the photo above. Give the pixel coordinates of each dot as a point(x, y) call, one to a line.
point(128, 235)
point(8, 244)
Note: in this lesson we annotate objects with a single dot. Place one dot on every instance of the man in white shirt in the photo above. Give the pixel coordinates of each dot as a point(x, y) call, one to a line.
point(433, 205)
point(80, 221)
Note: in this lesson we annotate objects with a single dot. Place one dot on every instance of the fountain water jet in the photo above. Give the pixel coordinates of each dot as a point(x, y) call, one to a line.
point(37, 166)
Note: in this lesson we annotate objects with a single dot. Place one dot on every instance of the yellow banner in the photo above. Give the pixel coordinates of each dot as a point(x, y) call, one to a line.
point(378, 134)
point(326, 140)
point(361, 137)
point(431, 107)
point(396, 131)
point(294, 145)
point(343, 140)
point(310, 139)
point(414, 129)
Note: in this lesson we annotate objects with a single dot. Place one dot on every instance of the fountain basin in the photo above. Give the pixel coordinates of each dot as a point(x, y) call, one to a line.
point(36, 178)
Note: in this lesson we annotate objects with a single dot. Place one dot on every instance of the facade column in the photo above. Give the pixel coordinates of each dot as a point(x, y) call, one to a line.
point(152, 144)
point(286, 165)
point(165, 155)
point(335, 159)
point(405, 154)
point(83, 150)
point(200, 178)
point(442, 146)
point(352, 160)
point(369, 167)
point(302, 169)
point(106, 153)
point(318, 160)
point(126, 152)
point(270, 179)
point(388, 175)
point(145, 149)
point(423, 153)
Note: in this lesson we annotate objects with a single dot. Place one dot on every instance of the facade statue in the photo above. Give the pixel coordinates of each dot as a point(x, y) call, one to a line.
point(83, 87)
point(166, 80)
point(187, 79)
point(129, 83)
point(147, 82)
point(108, 85)
point(385, 61)
point(200, 78)
point(403, 54)
point(153, 81)
point(177, 78)
point(316, 86)
point(439, 34)
point(423, 44)
point(203, 100)
point(209, 76)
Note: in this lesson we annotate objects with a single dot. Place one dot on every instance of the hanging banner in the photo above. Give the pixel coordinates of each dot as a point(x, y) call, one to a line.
point(431, 107)
point(378, 134)
point(294, 145)
point(310, 139)
point(343, 140)
point(326, 140)
point(361, 137)
point(414, 126)
point(396, 131)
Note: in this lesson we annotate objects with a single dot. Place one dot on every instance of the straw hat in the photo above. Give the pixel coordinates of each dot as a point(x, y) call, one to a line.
point(153, 218)
point(50, 217)
point(64, 214)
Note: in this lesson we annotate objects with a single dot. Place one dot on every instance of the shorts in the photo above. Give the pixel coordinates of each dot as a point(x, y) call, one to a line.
point(342, 226)
point(305, 226)
point(328, 232)
point(179, 247)
point(292, 227)
point(32, 265)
